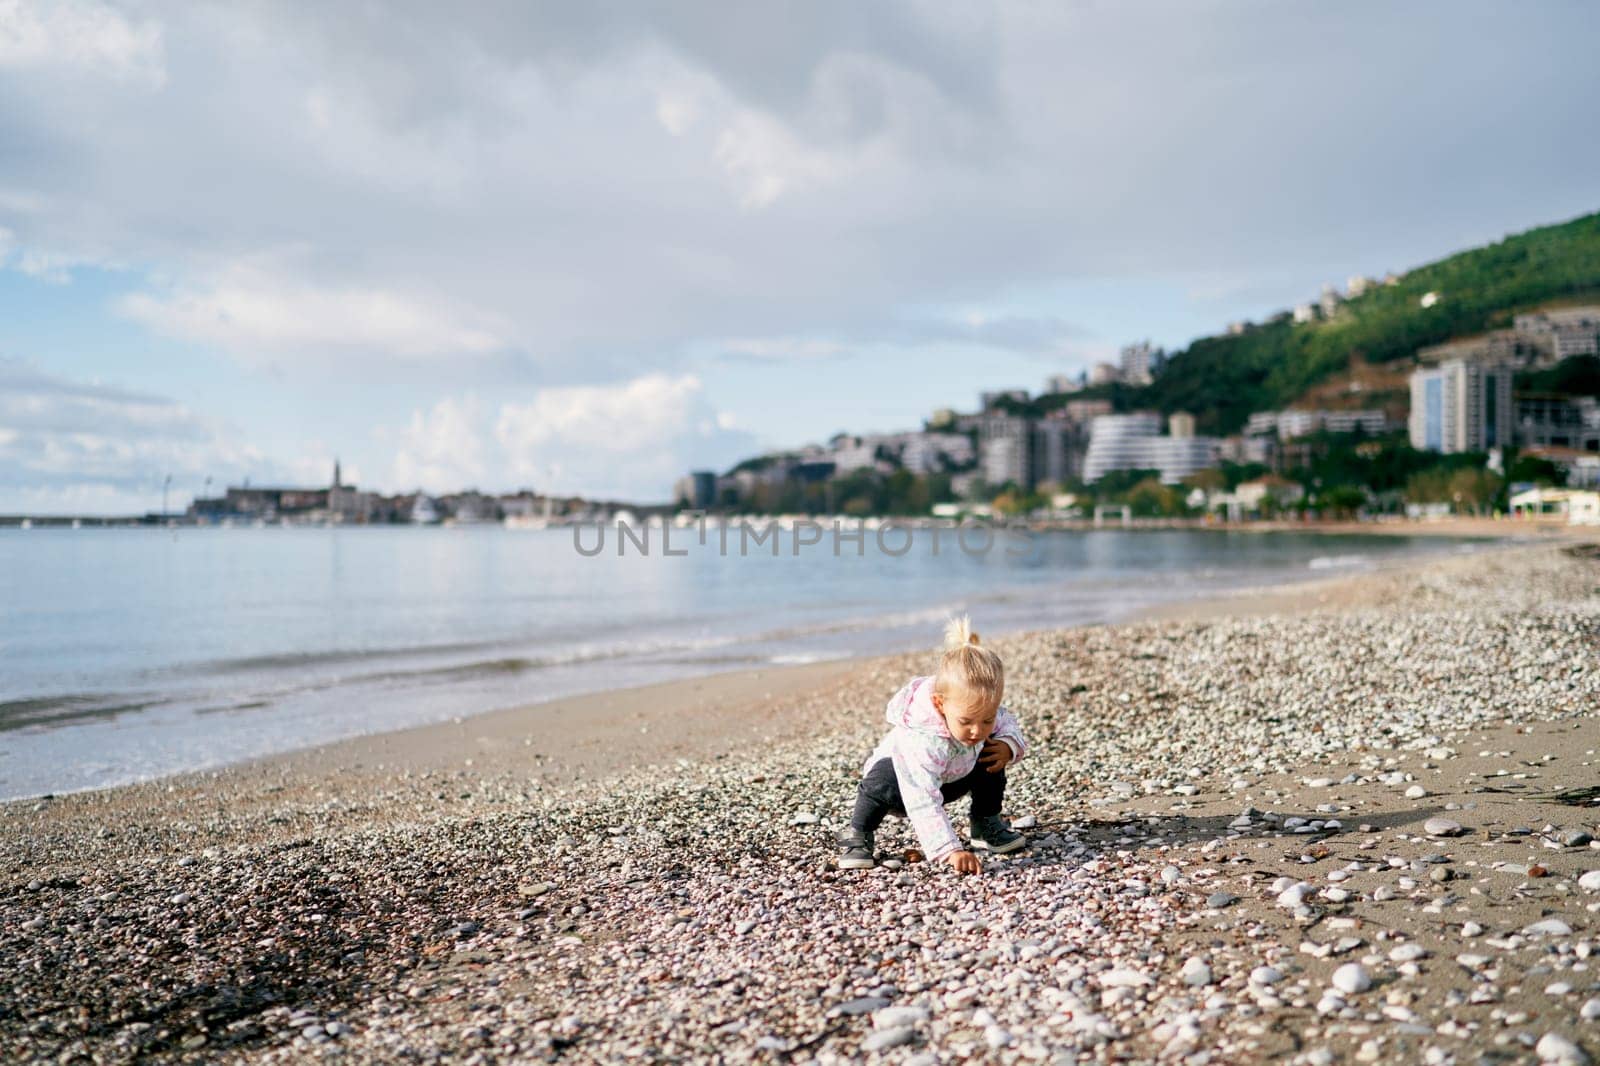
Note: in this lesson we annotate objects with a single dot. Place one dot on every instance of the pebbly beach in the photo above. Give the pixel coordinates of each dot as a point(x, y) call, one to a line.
point(1350, 822)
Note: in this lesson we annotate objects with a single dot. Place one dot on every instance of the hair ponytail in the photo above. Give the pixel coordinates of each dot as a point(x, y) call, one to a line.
point(958, 633)
point(968, 665)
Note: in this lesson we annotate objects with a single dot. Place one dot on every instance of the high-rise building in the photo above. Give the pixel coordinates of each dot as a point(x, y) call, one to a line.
point(1461, 406)
point(1004, 454)
point(1140, 363)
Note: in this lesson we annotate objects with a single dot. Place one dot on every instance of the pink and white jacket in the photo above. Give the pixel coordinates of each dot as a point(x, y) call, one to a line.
point(926, 756)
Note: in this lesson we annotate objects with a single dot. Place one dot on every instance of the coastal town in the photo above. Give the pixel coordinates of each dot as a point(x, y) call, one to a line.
point(1456, 432)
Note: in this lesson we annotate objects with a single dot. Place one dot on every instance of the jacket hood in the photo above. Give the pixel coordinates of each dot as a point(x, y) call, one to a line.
point(913, 707)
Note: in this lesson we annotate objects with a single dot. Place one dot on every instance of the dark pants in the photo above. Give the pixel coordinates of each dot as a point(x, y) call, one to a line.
point(879, 794)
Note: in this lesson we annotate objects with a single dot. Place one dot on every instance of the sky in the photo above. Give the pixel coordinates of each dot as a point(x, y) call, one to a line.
point(585, 248)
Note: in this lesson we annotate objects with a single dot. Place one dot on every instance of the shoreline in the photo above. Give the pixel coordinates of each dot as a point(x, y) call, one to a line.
point(735, 701)
point(1227, 813)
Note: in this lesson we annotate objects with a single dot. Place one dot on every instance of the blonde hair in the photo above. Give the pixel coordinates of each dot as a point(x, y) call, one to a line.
point(967, 665)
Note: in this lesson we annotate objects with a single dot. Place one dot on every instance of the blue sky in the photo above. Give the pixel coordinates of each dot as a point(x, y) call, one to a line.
point(582, 248)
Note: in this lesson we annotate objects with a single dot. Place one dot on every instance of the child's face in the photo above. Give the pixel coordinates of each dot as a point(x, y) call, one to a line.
point(969, 718)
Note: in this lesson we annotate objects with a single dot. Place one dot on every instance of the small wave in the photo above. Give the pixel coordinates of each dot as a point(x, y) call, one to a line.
point(1338, 562)
point(57, 710)
point(804, 659)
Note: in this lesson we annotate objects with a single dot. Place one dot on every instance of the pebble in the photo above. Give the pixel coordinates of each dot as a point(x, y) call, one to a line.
point(1416, 792)
point(1265, 975)
point(1195, 973)
point(883, 1039)
point(1577, 838)
point(1553, 1047)
point(742, 951)
point(1027, 821)
point(1443, 827)
point(1590, 882)
point(1123, 977)
point(1351, 978)
point(1548, 927)
point(804, 818)
point(898, 1017)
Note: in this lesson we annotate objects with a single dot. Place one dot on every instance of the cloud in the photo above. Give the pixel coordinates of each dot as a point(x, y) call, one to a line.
point(87, 447)
point(629, 440)
point(590, 194)
point(1040, 336)
point(442, 449)
point(252, 312)
point(83, 35)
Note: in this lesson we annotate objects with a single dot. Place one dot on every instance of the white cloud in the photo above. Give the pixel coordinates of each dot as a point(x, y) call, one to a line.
point(622, 419)
point(80, 34)
point(676, 113)
point(629, 440)
point(85, 447)
point(251, 312)
point(765, 160)
point(442, 449)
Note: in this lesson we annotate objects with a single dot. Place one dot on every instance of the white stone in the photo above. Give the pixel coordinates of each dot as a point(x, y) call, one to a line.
point(1265, 975)
point(1122, 977)
point(1408, 953)
point(1553, 1047)
point(1195, 973)
point(1548, 927)
point(882, 1039)
point(1416, 792)
point(1293, 896)
point(1351, 978)
point(1442, 827)
point(1590, 882)
point(896, 1017)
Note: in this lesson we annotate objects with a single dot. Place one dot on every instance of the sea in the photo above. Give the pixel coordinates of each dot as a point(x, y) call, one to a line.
point(132, 653)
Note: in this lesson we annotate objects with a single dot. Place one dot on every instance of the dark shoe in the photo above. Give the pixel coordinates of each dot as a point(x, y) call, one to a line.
point(995, 835)
point(855, 851)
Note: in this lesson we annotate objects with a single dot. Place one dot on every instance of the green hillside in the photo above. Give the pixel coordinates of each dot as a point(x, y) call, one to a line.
point(1223, 379)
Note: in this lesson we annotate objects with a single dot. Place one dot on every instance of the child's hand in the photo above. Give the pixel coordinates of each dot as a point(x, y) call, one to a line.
point(995, 755)
point(964, 862)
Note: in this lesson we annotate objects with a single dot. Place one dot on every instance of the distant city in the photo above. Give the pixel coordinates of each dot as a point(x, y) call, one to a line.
point(1067, 452)
point(1462, 401)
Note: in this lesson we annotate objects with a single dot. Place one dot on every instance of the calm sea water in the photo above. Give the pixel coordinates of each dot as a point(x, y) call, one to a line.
point(131, 653)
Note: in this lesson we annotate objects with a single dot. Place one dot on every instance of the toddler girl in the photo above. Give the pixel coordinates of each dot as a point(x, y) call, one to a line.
point(951, 737)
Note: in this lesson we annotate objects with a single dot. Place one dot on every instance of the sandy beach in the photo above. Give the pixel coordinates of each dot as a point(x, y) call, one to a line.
point(1345, 821)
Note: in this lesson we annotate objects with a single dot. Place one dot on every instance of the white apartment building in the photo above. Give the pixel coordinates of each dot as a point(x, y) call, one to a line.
point(1564, 333)
point(1134, 442)
point(1293, 424)
point(1461, 406)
